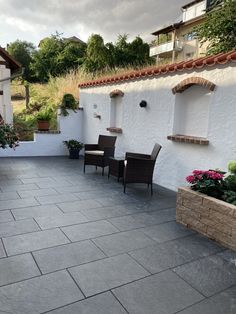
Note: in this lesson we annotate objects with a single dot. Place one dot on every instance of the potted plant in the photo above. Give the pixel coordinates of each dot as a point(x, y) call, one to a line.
point(209, 205)
point(43, 118)
point(68, 103)
point(74, 148)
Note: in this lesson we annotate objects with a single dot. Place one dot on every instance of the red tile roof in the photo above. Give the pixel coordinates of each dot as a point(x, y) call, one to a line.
point(208, 61)
point(12, 63)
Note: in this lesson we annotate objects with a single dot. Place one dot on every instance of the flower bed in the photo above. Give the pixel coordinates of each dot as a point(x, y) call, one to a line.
point(209, 205)
point(207, 215)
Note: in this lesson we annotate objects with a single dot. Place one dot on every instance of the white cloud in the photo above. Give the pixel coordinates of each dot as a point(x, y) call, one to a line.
point(33, 19)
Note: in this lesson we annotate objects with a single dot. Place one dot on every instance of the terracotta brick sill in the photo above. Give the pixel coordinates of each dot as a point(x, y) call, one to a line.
point(114, 130)
point(188, 139)
point(48, 132)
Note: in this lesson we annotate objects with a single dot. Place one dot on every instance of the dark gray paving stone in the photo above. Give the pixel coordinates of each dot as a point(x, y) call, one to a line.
point(39, 294)
point(55, 184)
point(157, 204)
point(19, 187)
point(106, 274)
point(37, 180)
point(2, 252)
point(167, 231)
point(222, 303)
point(209, 275)
point(36, 211)
point(17, 227)
point(167, 255)
point(10, 182)
point(34, 241)
point(60, 198)
point(78, 205)
point(16, 268)
point(11, 204)
point(143, 219)
point(164, 293)
point(104, 303)
point(89, 230)
point(229, 256)
point(106, 212)
point(123, 242)
point(5, 216)
point(4, 196)
point(67, 255)
point(61, 220)
point(40, 192)
point(109, 201)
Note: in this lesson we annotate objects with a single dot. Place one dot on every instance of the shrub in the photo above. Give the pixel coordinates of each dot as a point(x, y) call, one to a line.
point(8, 137)
point(44, 115)
point(68, 103)
point(229, 197)
point(73, 144)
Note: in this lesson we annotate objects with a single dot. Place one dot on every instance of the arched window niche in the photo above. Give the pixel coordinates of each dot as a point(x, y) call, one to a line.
point(116, 111)
point(191, 112)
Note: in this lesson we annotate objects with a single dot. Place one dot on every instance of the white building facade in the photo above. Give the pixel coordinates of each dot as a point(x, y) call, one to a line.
point(191, 112)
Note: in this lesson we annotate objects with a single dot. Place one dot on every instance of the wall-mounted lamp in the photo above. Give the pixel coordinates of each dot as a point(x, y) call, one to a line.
point(98, 116)
point(143, 104)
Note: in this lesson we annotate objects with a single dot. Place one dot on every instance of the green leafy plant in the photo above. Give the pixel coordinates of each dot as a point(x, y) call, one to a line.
point(44, 115)
point(73, 144)
point(229, 197)
point(232, 166)
point(8, 136)
point(68, 103)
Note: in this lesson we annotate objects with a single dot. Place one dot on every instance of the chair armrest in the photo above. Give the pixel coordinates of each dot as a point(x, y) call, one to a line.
point(91, 147)
point(137, 155)
point(108, 151)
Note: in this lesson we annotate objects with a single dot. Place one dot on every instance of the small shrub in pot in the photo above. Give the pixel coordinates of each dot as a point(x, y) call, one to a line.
point(74, 148)
point(43, 118)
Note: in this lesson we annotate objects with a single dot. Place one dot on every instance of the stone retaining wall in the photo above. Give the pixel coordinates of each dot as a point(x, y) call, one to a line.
point(214, 218)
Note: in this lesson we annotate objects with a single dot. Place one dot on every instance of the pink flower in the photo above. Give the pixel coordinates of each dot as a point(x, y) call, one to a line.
point(198, 172)
point(190, 179)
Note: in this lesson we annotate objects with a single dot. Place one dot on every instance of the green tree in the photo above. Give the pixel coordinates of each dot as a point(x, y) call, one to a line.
point(219, 27)
point(97, 54)
point(22, 52)
point(55, 57)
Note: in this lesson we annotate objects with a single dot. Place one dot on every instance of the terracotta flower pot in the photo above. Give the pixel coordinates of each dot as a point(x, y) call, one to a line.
point(43, 125)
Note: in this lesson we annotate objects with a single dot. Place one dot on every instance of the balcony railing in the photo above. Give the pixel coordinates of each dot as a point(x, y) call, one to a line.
point(166, 47)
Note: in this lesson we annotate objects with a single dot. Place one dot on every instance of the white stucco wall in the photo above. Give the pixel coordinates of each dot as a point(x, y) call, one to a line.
point(142, 127)
point(5, 99)
point(50, 144)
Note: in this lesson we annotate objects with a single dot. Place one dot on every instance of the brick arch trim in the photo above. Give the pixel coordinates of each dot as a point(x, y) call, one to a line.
point(116, 93)
point(183, 85)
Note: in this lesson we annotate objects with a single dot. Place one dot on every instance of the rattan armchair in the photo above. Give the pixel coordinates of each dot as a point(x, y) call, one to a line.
point(139, 168)
point(98, 154)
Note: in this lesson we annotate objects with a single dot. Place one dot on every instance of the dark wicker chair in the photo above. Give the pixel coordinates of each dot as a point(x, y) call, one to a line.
point(98, 154)
point(139, 167)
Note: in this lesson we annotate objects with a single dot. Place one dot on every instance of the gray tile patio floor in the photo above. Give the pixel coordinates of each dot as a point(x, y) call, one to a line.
point(73, 243)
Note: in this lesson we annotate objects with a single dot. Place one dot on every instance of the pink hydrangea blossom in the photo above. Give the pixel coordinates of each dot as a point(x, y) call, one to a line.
point(190, 179)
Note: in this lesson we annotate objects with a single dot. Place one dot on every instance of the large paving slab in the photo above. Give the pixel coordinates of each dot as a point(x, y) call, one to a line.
point(89, 230)
point(104, 303)
point(39, 294)
point(106, 274)
point(18, 203)
point(143, 219)
point(4, 196)
point(167, 231)
point(17, 227)
point(209, 275)
point(166, 255)
point(36, 211)
point(60, 198)
point(19, 187)
point(164, 293)
point(67, 255)
point(39, 192)
point(17, 268)
point(34, 241)
point(79, 205)
point(222, 303)
point(61, 220)
point(123, 242)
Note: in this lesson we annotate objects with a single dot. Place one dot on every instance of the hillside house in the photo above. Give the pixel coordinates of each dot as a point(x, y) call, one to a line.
point(175, 41)
point(8, 66)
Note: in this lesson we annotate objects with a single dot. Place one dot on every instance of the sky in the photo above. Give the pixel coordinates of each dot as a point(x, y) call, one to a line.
point(33, 20)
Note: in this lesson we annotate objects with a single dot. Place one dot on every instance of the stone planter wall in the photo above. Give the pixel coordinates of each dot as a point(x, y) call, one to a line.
point(214, 218)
